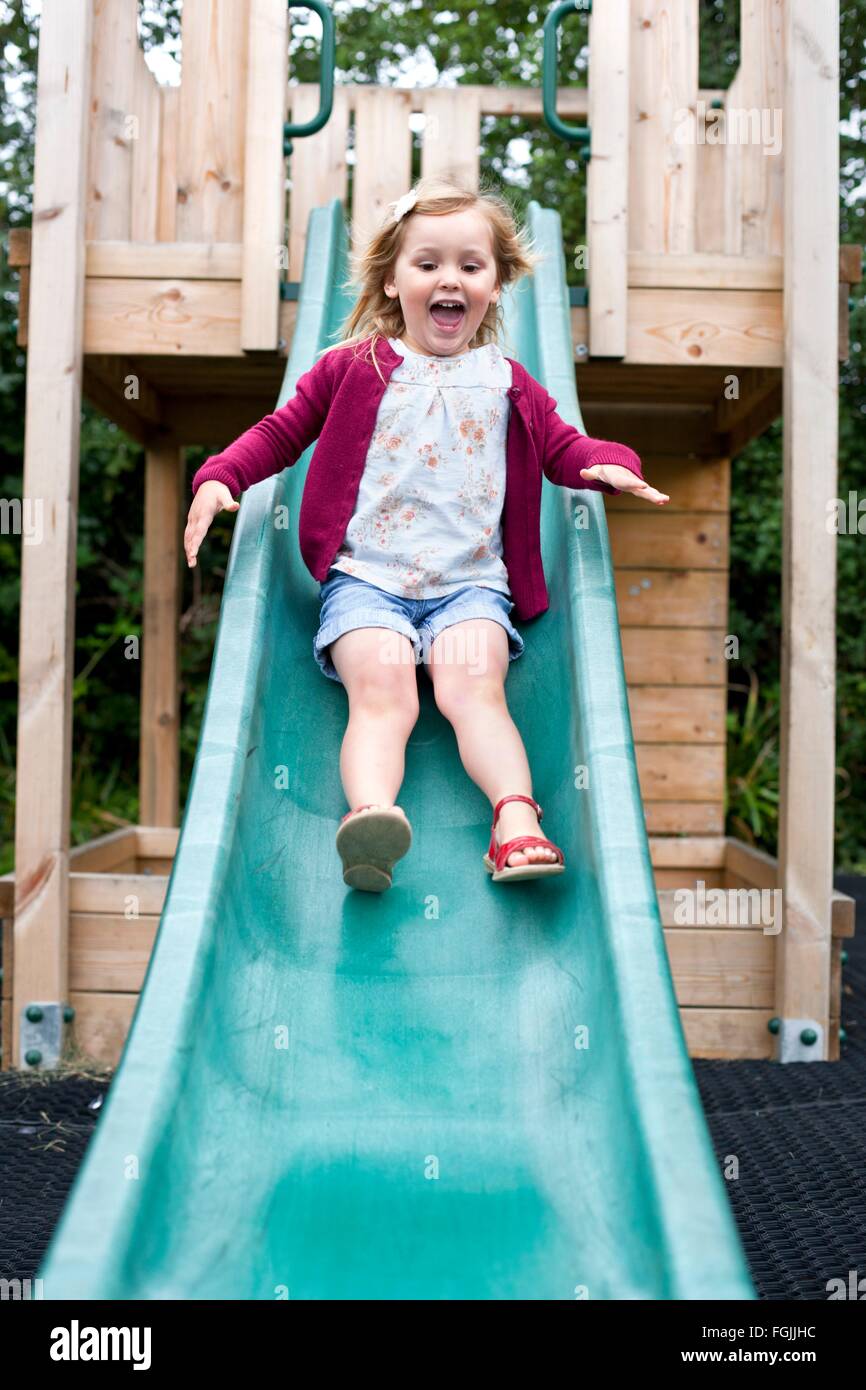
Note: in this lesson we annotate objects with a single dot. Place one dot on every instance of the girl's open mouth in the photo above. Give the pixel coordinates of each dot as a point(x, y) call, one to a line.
point(447, 315)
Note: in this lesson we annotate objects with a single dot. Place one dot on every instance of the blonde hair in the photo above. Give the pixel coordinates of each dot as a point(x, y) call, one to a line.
point(375, 315)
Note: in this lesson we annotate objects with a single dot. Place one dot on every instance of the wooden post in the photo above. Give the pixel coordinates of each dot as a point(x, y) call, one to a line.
point(607, 178)
point(810, 402)
point(164, 495)
point(52, 414)
point(264, 174)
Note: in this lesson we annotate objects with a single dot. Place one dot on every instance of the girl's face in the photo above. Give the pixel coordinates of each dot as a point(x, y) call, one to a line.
point(446, 259)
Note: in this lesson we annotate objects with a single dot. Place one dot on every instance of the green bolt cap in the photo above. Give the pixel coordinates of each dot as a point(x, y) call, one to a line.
point(34, 1013)
point(68, 1013)
point(844, 957)
point(808, 1037)
point(843, 1036)
point(33, 1057)
point(774, 1025)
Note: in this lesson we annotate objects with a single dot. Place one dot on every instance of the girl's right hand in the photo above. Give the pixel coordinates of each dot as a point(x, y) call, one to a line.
point(211, 497)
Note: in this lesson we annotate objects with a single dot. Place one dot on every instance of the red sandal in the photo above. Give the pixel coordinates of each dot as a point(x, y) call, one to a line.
point(369, 845)
point(495, 860)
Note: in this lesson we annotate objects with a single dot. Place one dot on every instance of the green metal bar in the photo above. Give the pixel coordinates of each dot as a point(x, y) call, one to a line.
point(576, 134)
point(326, 74)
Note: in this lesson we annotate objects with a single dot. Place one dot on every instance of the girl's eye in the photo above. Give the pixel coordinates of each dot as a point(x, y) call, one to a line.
point(425, 264)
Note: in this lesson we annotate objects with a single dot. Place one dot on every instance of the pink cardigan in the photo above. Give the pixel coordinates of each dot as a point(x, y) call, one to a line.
point(336, 403)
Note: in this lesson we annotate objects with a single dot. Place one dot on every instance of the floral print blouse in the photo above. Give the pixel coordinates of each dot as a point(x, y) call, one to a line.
point(427, 515)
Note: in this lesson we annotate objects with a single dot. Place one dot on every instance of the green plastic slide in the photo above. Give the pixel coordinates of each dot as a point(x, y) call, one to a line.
point(455, 1089)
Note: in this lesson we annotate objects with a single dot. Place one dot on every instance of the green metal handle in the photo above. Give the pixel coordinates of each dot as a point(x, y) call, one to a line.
point(326, 74)
point(577, 134)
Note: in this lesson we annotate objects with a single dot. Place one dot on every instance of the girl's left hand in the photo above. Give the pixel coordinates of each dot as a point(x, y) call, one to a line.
point(625, 480)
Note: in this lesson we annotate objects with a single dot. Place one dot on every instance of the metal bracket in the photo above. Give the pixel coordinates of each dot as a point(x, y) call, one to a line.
point(41, 1037)
point(801, 1040)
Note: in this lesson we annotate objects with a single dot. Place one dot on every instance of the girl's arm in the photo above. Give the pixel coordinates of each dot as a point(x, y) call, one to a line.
point(567, 451)
point(278, 440)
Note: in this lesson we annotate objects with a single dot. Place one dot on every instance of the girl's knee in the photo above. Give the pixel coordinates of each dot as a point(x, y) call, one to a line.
point(380, 674)
point(456, 690)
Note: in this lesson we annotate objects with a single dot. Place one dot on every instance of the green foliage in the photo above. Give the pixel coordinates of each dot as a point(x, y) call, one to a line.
point(491, 43)
point(752, 791)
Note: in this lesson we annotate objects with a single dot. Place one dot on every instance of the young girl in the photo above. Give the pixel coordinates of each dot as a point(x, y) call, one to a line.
point(420, 515)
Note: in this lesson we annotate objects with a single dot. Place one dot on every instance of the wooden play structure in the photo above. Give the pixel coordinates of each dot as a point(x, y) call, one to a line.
point(717, 301)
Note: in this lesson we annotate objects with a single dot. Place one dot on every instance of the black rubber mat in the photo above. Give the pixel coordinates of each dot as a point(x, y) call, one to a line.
point(792, 1137)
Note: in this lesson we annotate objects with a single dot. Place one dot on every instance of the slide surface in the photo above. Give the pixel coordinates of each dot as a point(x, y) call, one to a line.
point(455, 1089)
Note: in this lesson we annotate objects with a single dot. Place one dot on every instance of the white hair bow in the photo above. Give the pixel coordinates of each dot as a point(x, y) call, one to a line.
point(402, 205)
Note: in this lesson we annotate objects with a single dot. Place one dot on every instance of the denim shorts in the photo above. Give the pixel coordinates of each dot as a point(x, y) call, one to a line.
point(349, 602)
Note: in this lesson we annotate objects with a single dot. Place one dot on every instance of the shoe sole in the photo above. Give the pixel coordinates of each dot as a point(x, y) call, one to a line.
point(369, 844)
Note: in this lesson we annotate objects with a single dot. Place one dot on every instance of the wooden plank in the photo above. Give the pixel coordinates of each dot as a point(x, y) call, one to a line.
point(678, 713)
point(162, 867)
point(113, 407)
point(113, 893)
point(18, 256)
point(175, 260)
point(102, 1023)
point(7, 906)
point(51, 451)
point(663, 153)
point(18, 251)
point(671, 598)
point(761, 91)
point(689, 851)
point(764, 412)
point(169, 98)
point(571, 102)
point(710, 183)
point(684, 540)
point(105, 852)
point(669, 911)
point(704, 271)
point(753, 865)
point(684, 817)
point(156, 841)
point(123, 376)
point(674, 656)
point(692, 486)
point(722, 968)
point(607, 178)
point(318, 166)
point(735, 1034)
point(200, 317)
point(835, 978)
point(808, 666)
point(144, 191)
point(747, 865)
point(159, 762)
point(113, 111)
point(687, 878)
point(450, 140)
point(383, 151)
point(212, 120)
point(264, 211)
point(653, 429)
point(850, 263)
point(714, 327)
point(109, 952)
point(681, 772)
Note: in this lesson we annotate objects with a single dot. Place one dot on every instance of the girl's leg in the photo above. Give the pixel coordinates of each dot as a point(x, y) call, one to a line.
point(377, 667)
point(471, 695)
